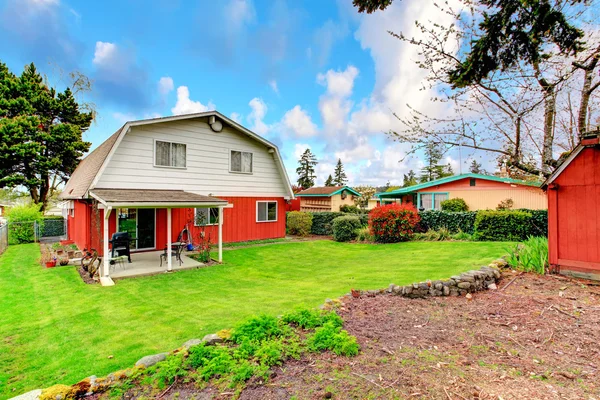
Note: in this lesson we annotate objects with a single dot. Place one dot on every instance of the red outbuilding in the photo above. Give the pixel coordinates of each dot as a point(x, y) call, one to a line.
point(573, 211)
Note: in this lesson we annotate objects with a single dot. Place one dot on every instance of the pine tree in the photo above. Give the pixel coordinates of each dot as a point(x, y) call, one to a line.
point(329, 181)
point(306, 170)
point(340, 177)
point(475, 168)
point(40, 133)
point(410, 179)
point(434, 170)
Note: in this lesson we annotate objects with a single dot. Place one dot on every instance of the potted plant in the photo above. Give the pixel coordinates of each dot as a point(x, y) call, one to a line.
point(47, 259)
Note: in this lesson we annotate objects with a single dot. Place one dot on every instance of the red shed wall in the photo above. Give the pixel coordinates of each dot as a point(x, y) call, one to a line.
point(573, 216)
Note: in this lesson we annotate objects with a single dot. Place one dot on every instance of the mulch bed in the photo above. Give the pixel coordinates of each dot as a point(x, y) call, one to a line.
point(537, 337)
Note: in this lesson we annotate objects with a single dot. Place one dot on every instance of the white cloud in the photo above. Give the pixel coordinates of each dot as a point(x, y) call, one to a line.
point(165, 85)
point(300, 148)
point(185, 105)
point(43, 3)
point(325, 38)
point(256, 116)
point(123, 117)
point(236, 117)
point(298, 123)
point(273, 84)
point(239, 13)
point(106, 54)
point(339, 83)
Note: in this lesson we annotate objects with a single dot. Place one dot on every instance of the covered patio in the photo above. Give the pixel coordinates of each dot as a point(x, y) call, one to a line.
point(144, 263)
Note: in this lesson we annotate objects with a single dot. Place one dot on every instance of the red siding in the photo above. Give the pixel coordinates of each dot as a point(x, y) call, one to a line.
point(573, 216)
point(239, 223)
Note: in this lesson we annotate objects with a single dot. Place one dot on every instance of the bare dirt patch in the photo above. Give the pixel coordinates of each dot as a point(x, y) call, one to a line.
point(537, 338)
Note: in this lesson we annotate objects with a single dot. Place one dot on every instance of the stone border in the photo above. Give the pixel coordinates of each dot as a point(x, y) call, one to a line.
point(458, 285)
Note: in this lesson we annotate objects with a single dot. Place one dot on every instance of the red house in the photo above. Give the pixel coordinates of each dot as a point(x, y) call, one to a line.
point(573, 211)
point(155, 177)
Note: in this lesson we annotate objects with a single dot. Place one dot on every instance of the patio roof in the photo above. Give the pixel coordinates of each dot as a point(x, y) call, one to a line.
point(141, 198)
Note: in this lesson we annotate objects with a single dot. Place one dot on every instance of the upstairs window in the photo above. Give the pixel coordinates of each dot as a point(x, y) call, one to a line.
point(472, 182)
point(206, 216)
point(241, 161)
point(266, 211)
point(169, 154)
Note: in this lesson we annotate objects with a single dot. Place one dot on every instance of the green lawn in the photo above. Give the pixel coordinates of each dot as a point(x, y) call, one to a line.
point(56, 329)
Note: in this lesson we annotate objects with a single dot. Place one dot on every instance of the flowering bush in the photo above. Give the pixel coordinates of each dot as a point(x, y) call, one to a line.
point(393, 222)
point(204, 247)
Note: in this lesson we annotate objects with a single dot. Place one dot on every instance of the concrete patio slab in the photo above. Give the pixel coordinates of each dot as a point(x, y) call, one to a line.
point(148, 263)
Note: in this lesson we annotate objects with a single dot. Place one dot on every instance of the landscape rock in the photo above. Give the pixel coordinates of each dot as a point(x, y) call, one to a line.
point(149, 361)
point(492, 286)
point(464, 285)
point(212, 338)
point(191, 343)
point(33, 395)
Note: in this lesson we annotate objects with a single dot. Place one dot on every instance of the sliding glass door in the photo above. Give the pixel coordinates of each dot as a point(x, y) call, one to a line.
point(140, 223)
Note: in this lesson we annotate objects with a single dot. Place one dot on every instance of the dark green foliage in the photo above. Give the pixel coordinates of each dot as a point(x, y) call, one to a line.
point(339, 175)
point(53, 226)
point(329, 181)
point(40, 133)
point(410, 179)
point(334, 338)
point(311, 318)
point(350, 209)
point(370, 6)
point(306, 169)
point(530, 256)
point(453, 221)
point(299, 223)
point(539, 222)
point(323, 222)
point(502, 225)
point(454, 205)
point(164, 373)
point(344, 228)
point(258, 328)
point(516, 32)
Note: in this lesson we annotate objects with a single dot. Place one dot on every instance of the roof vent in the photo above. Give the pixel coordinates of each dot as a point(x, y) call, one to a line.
point(215, 124)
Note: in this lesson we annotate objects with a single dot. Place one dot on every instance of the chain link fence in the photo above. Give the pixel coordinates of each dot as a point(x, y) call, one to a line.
point(3, 238)
point(34, 231)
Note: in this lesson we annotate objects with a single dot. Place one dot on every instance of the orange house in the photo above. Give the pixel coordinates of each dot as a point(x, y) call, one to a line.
point(480, 192)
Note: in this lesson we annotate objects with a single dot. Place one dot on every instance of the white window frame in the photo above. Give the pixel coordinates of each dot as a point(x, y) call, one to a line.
point(276, 210)
point(207, 208)
point(241, 172)
point(168, 166)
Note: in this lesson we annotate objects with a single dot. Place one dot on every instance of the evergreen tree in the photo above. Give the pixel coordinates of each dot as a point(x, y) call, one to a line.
point(475, 168)
point(339, 174)
point(306, 170)
point(410, 179)
point(40, 133)
point(329, 181)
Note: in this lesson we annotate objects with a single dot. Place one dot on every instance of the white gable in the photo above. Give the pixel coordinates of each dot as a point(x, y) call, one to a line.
point(207, 171)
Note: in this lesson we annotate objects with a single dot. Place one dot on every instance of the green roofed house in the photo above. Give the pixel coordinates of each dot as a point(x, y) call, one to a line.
point(326, 198)
point(479, 191)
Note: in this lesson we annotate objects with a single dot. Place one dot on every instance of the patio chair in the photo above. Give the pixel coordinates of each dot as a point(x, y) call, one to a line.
point(176, 250)
point(121, 245)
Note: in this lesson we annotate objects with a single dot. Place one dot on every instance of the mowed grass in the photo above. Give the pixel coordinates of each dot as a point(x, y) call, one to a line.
point(56, 329)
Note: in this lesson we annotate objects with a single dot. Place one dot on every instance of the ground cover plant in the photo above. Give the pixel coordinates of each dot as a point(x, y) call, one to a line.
point(251, 350)
point(55, 328)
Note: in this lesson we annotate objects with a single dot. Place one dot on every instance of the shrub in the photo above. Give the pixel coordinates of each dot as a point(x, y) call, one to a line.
point(530, 256)
point(502, 225)
point(323, 222)
point(350, 209)
point(453, 221)
point(257, 328)
point(364, 235)
point(539, 222)
point(332, 337)
point(454, 205)
point(299, 223)
point(505, 204)
point(344, 228)
point(311, 318)
point(393, 222)
point(433, 235)
point(22, 220)
point(462, 236)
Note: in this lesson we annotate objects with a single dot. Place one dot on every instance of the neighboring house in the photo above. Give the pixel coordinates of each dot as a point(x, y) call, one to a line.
point(326, 198)
point(155, 177)
point(3, 208)
point(373, 202)
point(480, 192)
point(573, 213)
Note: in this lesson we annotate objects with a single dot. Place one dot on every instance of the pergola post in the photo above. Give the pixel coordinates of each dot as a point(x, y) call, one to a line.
point(220, 234)
point(169, 243)
point(105, 252)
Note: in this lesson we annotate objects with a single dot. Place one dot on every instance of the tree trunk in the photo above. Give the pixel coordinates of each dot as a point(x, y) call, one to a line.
point(549, 112)
point(585, 100)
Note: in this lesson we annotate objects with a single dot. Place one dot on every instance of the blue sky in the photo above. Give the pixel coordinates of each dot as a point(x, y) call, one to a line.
point(301, 73)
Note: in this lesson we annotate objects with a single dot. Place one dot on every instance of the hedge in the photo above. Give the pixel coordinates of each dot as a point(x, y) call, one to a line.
point(503, 225)
point(53, 226)
point(345, 227)
point(322, 223)
point(453, 221)
point(299, 223)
